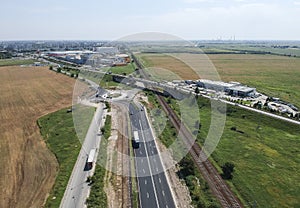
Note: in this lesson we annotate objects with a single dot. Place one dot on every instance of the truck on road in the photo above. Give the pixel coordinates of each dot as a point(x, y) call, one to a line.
point(136, 140)
point(90, 160)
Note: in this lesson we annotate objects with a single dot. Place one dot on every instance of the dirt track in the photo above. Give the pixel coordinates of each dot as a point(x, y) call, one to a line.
point(28, 168)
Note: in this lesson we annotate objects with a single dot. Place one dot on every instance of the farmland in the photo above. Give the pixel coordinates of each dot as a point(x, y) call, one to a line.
point(30, 168)
point(276, 76)
point(160, 66)
point(265, 151)
point(13, 62)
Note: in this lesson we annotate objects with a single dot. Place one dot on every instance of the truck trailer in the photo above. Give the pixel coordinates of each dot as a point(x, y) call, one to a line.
point(91, 157)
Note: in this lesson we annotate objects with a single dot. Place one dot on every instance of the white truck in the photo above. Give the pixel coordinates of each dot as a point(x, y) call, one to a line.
point(90, 160)
point(136, 139)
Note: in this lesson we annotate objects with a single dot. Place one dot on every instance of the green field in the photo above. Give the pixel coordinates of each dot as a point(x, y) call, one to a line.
point(14, 62)
point(128, 69)
point(59, 134)
point(265, 152)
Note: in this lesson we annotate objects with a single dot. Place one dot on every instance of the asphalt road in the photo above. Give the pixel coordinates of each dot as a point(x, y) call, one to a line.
point(77, 189)
point(154, 190)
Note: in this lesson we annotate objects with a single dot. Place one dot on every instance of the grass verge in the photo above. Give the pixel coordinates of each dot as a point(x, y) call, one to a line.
point(98, 196)
point(59, 134)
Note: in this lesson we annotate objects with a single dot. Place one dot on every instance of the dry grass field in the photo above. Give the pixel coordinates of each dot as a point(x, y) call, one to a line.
point(161, 65)
point(28, 168)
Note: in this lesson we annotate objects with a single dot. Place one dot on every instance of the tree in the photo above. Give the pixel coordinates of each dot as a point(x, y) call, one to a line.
point(197, 90)
point(228, 169)
point(102, 130)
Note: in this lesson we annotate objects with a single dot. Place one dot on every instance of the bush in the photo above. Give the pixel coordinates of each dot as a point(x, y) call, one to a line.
point(228, 169)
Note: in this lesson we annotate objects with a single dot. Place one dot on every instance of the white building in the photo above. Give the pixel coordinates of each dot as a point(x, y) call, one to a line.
point(216, 85)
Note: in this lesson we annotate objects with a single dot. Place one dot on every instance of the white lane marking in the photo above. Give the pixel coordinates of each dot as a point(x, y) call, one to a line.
point(160, 161)
point(151, 175)
point(145, 181)
point(142, 160)
point(159, 180)
point(163, 193)
point(144, 171)
point(148, 195)
point(156, 169)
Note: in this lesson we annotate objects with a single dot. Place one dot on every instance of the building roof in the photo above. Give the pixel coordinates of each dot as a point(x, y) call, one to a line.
point(242, 89)
point(218, 83)
point(122, 55)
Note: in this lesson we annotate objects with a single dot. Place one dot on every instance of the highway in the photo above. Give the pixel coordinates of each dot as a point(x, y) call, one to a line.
point(154, 189)
point(77, 190)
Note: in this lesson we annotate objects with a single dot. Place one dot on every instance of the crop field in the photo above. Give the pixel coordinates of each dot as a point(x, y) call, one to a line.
point(276, 76)
point(13, 62)
point(164, 67)
point(28, 167)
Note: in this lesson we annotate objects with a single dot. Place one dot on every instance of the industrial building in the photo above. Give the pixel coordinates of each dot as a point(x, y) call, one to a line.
point(216, 85)
point(125, 57)
point(241, 91)
point(106, 50)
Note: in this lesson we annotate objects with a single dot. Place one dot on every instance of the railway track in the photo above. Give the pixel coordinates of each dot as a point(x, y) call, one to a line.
point(209, 172)
point(124, 192)
point(218, 186)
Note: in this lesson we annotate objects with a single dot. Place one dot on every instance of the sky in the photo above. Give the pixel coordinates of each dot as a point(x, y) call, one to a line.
point(114, 19)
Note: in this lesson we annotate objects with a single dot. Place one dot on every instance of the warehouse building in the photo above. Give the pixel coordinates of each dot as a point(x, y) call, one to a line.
point(241, 91)
point(216, 85)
